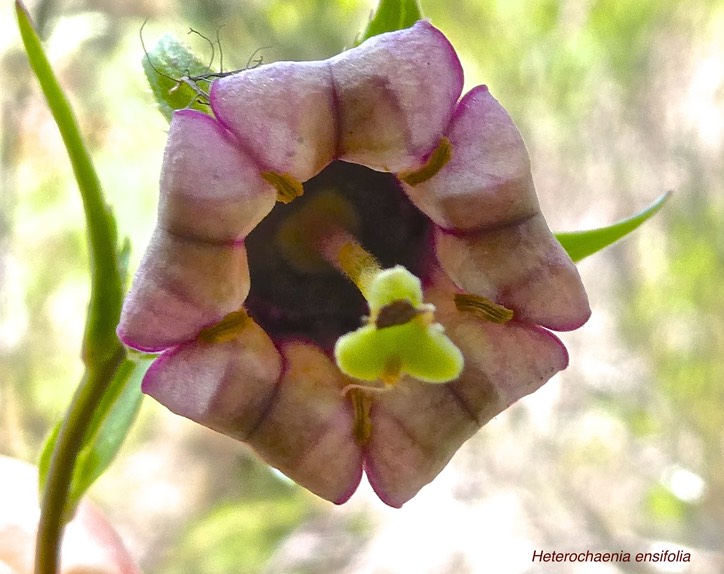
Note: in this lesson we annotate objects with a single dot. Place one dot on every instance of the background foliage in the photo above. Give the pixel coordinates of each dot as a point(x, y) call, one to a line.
point(618, 101)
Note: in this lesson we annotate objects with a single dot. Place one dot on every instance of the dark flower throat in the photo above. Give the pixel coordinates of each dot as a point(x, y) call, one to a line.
point(323, 304)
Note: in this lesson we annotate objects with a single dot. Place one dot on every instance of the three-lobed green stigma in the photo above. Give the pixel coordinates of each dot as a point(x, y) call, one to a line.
point(400, 337)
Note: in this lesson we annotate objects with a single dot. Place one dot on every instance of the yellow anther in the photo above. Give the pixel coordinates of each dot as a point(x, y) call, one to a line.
point(288, 188)
point(437, 160)
point(227, 329)
point(361, 403)
point(482, 307)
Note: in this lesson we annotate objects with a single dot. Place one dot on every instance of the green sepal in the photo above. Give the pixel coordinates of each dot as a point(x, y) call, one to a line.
point(167, 64)
point(110, 422)
point(580, 244)
point(392, 15)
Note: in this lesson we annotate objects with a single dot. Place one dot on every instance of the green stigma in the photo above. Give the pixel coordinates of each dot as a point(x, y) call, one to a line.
point(400, 337)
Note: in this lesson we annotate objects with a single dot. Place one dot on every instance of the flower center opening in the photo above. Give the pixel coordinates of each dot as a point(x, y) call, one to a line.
point(297, 294)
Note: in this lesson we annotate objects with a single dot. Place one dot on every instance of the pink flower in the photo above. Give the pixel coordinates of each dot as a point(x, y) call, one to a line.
point(246, 318)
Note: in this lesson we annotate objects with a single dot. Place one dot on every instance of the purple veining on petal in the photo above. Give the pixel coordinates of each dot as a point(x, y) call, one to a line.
point(210, 189)
point(336, 107)
point(413, 428)
point(283, 112)
point(179, 288)
point(307, 434)
point(194, 270)
point(223, 385)
point(243, 387)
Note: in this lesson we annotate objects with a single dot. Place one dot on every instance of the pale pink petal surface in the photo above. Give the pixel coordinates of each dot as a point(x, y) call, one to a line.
point(521, 266)
point(226, 386)
point(307, 431)
point(395, 95)
point(288, 408)
point(181, 286)
point(195, 271)
point(487, 182)
point(211, 191)
point(283, 114)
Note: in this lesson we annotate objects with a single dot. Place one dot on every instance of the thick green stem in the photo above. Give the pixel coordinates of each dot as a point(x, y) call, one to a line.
point(67, 448)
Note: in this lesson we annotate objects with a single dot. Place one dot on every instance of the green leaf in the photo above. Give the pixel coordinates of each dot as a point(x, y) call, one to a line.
point(392, 15)
point(46, 453)
point(580, 244)
point(124, 258)
point(168, 65)
point(110, 422)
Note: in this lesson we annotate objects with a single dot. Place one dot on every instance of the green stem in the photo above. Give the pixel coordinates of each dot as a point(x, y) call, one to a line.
point(107, 286)
point(102, 352)
point(60, 473)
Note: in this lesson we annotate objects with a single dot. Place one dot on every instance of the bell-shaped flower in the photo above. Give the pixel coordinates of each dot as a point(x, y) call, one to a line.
point(316, 193)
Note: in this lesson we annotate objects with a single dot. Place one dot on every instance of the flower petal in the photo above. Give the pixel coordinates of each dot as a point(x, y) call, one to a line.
point(396, 93)
point(363, 106)
point(195, 270)
point(521, 266)
point(210, 190)
point(226, 386)
point(181, 286)
point(283, 114)
point(290, 410)
point(487, 182)
point(418, 427)
point(307, 431)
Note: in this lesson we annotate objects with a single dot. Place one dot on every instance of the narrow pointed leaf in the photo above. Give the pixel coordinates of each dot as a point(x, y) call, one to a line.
point(392, 15)
point(46, 453)
point(108, 428)
point(580, 244)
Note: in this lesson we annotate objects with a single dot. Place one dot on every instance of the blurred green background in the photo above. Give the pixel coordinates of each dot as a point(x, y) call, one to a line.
point(618, 102)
